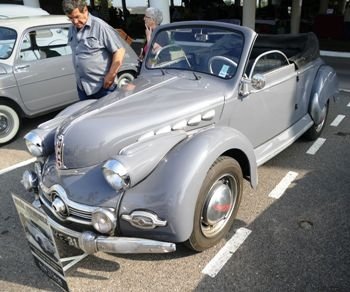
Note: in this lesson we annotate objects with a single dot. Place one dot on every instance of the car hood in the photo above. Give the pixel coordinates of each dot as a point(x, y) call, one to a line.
point(149, 105)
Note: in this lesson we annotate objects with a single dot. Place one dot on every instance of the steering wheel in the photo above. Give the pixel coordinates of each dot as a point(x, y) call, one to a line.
point(221, 58)
point(161, 49)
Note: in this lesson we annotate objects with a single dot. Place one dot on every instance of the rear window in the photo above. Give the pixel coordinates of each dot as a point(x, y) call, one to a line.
point(7, 42)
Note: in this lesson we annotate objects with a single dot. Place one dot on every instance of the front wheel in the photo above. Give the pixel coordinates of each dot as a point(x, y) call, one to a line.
point(315, 131)
point(217, 204)
point(124, 79)
point(9, 123)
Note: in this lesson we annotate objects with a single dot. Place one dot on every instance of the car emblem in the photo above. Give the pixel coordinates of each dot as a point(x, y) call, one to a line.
point(59, 151)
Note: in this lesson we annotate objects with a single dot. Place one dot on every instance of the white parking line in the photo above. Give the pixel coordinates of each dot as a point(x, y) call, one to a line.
point(279, 190)
point(337, 120)
point(18, 165)
point(225, 253)
point(348, 104)
point(316, 146)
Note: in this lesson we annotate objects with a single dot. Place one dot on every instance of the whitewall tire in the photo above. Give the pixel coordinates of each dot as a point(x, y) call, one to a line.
point(9, 123)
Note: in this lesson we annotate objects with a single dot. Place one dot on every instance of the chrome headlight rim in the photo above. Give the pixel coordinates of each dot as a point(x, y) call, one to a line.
point(116, 174)
point(34, 144)
point(109, 222)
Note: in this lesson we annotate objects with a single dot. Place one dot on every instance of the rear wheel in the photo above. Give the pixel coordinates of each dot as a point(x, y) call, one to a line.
point(217, 204)
point(9, 123)
point(316, 130)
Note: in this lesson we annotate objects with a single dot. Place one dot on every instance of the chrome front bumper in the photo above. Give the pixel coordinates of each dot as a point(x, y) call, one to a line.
point(91, 243)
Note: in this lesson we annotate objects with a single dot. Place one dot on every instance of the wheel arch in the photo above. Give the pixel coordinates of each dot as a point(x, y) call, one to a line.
point(244, 163)
point(10, 102)
point(128, 70)
point(324, 87)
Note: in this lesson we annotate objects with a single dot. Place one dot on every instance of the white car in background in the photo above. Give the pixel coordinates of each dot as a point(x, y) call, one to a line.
point(36, 69)
point(14, 10)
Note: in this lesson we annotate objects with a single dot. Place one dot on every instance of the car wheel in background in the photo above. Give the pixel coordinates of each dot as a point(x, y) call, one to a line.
point(9, 123)
point(124, 78)
point(217, 204)
point(315, 131)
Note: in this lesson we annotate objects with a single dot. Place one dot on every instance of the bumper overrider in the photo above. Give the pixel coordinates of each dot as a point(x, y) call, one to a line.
point(55, 200)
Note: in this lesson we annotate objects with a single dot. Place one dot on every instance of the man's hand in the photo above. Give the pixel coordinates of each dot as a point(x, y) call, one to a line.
point(108, 81)
point(117, 61)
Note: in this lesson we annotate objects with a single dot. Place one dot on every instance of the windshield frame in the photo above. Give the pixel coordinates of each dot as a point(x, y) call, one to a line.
point(195, 45)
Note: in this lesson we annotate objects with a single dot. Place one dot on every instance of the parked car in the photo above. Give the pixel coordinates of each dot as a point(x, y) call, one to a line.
point(162, 162)
point(14, 10)
point(36, 69)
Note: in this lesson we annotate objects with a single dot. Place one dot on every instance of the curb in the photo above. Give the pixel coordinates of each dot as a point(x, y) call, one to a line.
point(335, 54)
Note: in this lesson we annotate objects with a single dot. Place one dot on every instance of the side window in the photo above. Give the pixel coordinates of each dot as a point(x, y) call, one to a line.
point(7, 41)
point(45, 43)
point(269, 61)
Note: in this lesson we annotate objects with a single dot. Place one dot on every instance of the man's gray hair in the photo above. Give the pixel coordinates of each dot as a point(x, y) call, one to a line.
point(155, 14)
point(69, 5)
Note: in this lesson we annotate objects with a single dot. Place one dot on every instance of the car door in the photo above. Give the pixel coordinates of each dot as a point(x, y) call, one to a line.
point(271, 106)
point(44, 70)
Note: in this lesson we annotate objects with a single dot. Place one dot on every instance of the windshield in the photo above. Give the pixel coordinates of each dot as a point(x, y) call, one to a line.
point(207, 49)
point(7, 42)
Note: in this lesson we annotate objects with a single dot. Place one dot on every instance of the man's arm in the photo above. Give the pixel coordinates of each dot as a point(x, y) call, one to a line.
point(117, 61)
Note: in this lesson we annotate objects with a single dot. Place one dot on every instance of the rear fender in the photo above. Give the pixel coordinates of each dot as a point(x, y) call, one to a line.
point(171, 190)
point(325, 86)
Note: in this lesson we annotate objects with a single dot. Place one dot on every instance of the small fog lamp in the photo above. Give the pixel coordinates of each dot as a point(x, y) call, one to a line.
point(103, 220)
point(29, 180)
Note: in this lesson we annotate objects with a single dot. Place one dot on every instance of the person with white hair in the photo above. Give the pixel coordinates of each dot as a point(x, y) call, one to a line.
point(153, 18)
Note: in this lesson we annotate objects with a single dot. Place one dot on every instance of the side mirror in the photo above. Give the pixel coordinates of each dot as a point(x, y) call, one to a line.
point(258, 81)
point(244, 87)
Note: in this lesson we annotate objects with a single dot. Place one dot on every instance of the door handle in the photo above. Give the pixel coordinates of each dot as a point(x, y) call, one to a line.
point(21, 67)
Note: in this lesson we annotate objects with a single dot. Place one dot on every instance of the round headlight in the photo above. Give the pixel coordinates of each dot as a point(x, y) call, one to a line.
point(103, 220)
point(116, 174)
point(29, 180)
point(34, 144)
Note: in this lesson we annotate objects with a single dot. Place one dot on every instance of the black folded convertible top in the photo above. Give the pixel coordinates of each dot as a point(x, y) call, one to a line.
point(300, 48)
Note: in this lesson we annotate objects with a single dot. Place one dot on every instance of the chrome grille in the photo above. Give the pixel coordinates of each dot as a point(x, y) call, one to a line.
point(79, 213)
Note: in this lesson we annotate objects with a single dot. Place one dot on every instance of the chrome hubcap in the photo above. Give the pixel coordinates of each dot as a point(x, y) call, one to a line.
point(219, 205)
point(4, 124)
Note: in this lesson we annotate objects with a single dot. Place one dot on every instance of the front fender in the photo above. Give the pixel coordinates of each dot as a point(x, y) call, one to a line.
point(171, 190)
point(325, 86)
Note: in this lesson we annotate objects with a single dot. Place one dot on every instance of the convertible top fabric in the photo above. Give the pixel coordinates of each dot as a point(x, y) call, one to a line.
point(300, 48)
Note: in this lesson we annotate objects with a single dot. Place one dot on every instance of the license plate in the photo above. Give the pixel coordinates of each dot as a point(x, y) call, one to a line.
point(68, 239)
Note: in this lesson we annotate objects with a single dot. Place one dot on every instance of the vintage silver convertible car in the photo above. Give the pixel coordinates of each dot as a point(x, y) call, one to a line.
point(162, 161)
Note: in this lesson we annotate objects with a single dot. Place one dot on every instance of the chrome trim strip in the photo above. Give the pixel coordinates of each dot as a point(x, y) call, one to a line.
point(136, 219)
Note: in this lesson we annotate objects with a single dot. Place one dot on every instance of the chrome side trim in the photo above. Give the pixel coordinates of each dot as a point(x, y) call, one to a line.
point(144, 220)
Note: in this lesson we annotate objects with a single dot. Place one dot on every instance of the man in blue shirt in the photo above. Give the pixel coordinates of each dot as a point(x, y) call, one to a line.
point(96, 50)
